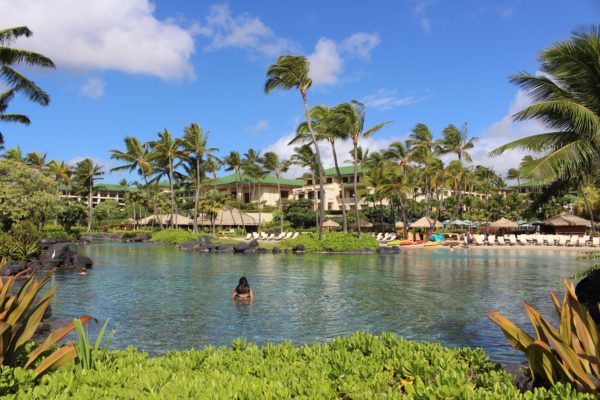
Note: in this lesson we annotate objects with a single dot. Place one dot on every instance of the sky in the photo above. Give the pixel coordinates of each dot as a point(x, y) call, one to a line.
point(135, 68)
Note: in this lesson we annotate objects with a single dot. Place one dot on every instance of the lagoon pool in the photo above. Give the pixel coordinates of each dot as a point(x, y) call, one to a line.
point(159, 298)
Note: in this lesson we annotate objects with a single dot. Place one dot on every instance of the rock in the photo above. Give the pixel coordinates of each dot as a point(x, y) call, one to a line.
point(81, 261)
point(286, 251)
point(523, 380)
point(138, 238)
point(253, 244)
point(207, 238)
point(276, 250)
point(298, 249)
point(57, 252)
point(43, 327)
point(241, 247)
point(223, 247)
point(262, 250)
point(588, 293)
point(14, 267)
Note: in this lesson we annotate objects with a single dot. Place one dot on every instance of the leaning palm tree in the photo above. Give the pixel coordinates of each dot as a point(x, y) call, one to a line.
point(166, 156)
point(567, 100)
point(10, 56)
point(195, 146)
point(5, 98)
point(136, 157)
point(326, 130)
point(456, 141)
point(350, 118)
point(304, 157)
point(272, 163)
point(291, 72)
point(85, 174)
point(233, 162)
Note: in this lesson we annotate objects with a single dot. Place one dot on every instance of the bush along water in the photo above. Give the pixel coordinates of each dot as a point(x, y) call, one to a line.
point(332, 241)
point(362, 366)
point(173, 236)
point(567, 354)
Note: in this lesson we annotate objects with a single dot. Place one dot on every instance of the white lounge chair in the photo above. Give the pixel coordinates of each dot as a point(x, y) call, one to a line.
point(248, 236)
point(379, 236)
point(281, 236)
point(513, 240)
point(596, 241)
point(500, 241)
point(255, 235)
point(295, 235)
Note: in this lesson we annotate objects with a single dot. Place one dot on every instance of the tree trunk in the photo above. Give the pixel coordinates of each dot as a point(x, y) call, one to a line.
point(196, 194)
point(356, 188)
point(319, 164)
point(314, 185)
point(280, 205)
point(90, 208)
point(237, 197)
point(343, 194)
point(259, 212)
point(588, 206)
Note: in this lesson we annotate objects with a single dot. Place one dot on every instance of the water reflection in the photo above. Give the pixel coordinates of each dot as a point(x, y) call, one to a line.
point(160, 299)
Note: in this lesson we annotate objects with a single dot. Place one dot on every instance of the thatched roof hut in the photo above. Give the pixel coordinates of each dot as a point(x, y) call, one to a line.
point(566, 223)
point(426, 223)
point(330, 224)
point(165, 219)
point(231, 216)
point(504, 223)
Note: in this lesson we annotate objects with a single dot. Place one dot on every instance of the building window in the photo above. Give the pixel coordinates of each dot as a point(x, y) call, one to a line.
point(329, 180)
point(311, 195)
point(246, 197)
point(285, 194)
point(330, 206)
point(309, 182)
point(233, 194)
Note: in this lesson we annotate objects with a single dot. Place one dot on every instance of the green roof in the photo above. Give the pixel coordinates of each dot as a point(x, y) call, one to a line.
point(268, 179)
point(346, 170)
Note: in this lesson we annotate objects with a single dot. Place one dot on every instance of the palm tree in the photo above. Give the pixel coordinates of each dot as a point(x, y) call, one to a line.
point(291, 72)
point(137, 156)
point(194, 144)
point(362, 155)
point(566, 98)
point(166, 156)
point(61, 173)
point(455, 140)
point(211, 203)
point(14, 154)
point(326, 130)
point(514, 173)
point(257, 174)
point(5, 98)
point(249, 166)
point(85, 173)
point(272, 163)
point(304, 157)
point(9, 56)
point(36, 160)
point(233, 162)
point(350, 118)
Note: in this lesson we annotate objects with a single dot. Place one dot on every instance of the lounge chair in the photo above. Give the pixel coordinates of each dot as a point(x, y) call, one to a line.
point(264, 236)
point(248, 236)
point(288, 235)
point(255, 235)
point(596, 241)
point(500, 241)
point(379, 236)
point(281, 236)
point(295, 235)
point(512, 240)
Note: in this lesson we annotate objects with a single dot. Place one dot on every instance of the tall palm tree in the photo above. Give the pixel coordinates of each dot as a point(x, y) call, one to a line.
point(36, 160)
point(257, 173)
point(304, 157)
point(250, 167)
point(326, 129)
point(211, 203)
point(10, 56)
point(84, 176)
point(233, 162)
point(420, 142)
point(350, 118)
point(514, 173)
point(166, 156)
point(272, 163)
point(362, 155)
point(60, 171)
point(456, 141)
point(195, 146)
point(291, 72)
point(567, 100)
point(5, 98)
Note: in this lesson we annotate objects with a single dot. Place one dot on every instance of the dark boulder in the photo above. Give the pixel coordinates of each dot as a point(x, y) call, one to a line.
point(241, 247)
point(588, 293)
point(298, 249)
point(253, 244)
point(276, 250)
point(262, 250)
point(138, 238)
point(223, 247)
point(57, 252)
point(81, 261)
point(13, 267)
point(523, 380)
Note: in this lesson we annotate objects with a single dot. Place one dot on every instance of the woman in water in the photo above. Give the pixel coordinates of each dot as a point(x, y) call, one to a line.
point(243, 291)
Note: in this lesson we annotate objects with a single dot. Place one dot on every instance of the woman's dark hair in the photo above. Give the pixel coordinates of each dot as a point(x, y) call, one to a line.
point(243, 287)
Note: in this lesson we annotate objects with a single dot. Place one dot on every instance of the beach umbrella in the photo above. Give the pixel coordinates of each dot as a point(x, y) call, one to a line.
point(365, 224)
point(504, 223)
point(330, 224)
point(426, 223)
point(399, 224)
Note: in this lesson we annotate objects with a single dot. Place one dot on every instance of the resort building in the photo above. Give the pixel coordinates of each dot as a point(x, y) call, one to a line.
point(252, 191)
point(102, 192)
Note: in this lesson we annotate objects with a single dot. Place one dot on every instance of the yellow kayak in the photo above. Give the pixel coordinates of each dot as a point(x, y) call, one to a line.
point(433, 243)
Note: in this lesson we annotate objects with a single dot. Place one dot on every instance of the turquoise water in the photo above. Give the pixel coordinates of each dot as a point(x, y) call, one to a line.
point(160, 299)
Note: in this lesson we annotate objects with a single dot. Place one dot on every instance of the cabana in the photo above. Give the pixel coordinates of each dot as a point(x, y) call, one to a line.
point(165, 219)
point(330, 224)
point(231, 217)
point(426, 223)
point(504, 224)
point(400, 230)
point(565, 224)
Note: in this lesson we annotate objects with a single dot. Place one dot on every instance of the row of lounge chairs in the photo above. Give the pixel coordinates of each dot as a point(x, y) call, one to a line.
point(535, 240)
point(272, 236)
point(386, 237)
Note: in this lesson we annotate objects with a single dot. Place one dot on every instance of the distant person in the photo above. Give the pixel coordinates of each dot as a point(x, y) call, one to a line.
point(243, 291)
point(83, 271)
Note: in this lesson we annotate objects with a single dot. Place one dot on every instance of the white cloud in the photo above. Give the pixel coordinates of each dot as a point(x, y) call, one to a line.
point(120, 35)
point(258, 126)
point(502, 132)
point(93, 87)
point(325, 63)
point(384, 99)
point(342, 149)
point(360, 44)
point(242, 31)
point(425, 24)
point(419, 11)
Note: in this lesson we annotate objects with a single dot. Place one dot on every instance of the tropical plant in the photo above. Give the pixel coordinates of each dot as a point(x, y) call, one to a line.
point(9, 57)
point(233, 162)
point(72, 215)
point(211, 203)
point(194, 143)
point(20, 316)
point(272, 163)
point(24, 241)
point(84, 176)
point(291, 72)
point(14, 154)
point(166, 156)
point(5, 98)
point(305, 158)
point(60, 171)
point(36, 160)
point(86, 354)
point(569, 354)
point(566, 100)
point(456, 141)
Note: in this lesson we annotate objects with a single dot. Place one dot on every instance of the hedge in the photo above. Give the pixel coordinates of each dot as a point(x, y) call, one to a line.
point(332, 241)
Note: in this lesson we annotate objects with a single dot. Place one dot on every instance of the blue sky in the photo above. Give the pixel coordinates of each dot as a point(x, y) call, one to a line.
point(130, 67)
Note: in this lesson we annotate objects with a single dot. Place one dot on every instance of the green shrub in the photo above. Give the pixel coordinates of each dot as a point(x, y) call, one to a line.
point(56, 232)
point(173, 236)
point(130, 234)
point(362, 366)
point(332, 241)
